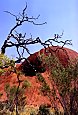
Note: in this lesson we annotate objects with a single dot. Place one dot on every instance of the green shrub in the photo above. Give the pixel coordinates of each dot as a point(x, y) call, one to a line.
point(26, 84)
point(15, 95)
point(7, 88)
point(40, 77)
point(43, 110)
point(12, 93)
point(62, 77)
point(2, 71)
point(5, 61)
point(45, 88)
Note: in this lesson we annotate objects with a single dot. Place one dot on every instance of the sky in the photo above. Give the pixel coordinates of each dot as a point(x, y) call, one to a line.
point(60, 15)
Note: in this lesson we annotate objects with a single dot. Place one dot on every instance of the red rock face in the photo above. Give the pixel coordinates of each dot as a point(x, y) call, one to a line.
point(33, 94)
point(64, 55)
point(32, 65)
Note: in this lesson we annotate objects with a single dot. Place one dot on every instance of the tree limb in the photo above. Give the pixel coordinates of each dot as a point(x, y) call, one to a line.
point(22, 42)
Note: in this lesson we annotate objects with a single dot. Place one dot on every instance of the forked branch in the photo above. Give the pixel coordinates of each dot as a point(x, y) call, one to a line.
point(20, 40)
point(20, 19)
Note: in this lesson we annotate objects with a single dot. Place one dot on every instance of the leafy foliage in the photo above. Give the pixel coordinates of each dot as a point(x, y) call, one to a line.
point(2, 71)
point(11, 95)
point(63, 78)
point(43, 110)
point(26, 84)
point(5, 61)
point(45, 87)
point(40, 77)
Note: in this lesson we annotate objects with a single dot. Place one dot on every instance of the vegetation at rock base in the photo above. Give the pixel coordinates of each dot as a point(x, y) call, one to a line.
point(43, 110)
point(40, 78)
point(63, 78)
point(26, 84)
point(44, 87)
point(5, 61)
point(12, 100)
point(2, 72)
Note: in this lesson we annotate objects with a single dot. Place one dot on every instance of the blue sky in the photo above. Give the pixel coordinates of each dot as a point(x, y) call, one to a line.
point(59, 14)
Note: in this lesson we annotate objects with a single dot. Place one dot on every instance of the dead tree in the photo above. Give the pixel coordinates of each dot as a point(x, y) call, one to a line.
point(21, 41)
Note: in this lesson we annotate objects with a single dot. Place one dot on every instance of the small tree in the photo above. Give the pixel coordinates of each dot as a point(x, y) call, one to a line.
point(65, 79)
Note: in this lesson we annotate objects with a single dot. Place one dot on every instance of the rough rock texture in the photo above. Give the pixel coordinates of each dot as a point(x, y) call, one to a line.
point(34, 96)
point(63, 54)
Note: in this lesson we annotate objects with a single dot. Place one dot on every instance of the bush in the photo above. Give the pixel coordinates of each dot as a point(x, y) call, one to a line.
point(26, 84)
point(7, 88)
point(12, 94)
point(45, 88)
point(40, 77)
point(63, 76)
point(5, 61)
point(2, 71)
point(43, 110)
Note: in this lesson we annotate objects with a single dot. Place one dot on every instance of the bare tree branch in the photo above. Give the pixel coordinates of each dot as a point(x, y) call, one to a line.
point(22, 42)
point(20, 19)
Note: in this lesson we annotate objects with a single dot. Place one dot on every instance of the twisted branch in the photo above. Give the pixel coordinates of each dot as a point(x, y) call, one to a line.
point(22, 42)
